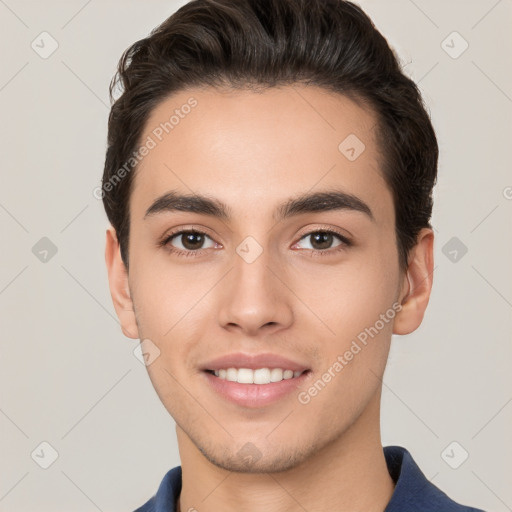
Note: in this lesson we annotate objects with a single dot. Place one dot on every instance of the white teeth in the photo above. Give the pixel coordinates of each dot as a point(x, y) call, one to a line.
point(245, 376)
point(231, 374)
point(276, 374)
point(262, 376)
point(259, 376)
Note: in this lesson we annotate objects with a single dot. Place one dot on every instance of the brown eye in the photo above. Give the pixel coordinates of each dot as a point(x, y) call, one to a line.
point(322, 240)
point(188, 241)
point(192, 241)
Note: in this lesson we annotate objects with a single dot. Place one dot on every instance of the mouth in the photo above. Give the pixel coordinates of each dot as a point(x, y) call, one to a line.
point(259, 376)
point(255, 388)
point(254, 380)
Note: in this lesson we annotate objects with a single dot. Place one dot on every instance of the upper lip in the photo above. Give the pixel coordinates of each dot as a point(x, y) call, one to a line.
point(253, 362)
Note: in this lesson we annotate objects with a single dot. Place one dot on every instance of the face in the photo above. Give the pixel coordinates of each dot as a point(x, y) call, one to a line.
point(263, 286)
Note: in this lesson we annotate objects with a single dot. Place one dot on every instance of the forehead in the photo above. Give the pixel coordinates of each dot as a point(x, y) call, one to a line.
point(248, 148)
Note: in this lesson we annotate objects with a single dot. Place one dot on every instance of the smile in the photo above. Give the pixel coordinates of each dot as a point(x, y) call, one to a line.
point(254, 389)
point(257, 376)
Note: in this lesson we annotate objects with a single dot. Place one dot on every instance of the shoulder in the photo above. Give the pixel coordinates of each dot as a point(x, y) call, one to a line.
point(413, 491)
point(168, 492)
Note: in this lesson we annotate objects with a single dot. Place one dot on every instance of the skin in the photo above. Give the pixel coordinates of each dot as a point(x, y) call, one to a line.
point(253, 151)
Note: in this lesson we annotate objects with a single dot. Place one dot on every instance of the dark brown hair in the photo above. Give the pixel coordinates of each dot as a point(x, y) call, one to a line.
point(265, 43)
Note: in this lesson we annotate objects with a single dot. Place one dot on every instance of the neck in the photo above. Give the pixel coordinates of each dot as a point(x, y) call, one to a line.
point(349, 473)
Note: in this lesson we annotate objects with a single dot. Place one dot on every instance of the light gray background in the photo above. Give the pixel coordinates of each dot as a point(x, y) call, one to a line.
point(69, 377)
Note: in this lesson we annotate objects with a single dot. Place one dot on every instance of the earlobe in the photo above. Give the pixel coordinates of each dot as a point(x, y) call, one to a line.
point(417, 283)
point(119, 288)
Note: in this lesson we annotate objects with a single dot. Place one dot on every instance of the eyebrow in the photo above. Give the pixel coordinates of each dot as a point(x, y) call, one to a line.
point(304, 203)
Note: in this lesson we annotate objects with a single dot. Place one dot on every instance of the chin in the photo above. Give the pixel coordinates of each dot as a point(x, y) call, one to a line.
point(249, 459)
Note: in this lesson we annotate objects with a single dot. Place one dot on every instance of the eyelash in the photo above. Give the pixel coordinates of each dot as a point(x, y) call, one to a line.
point(345, 243)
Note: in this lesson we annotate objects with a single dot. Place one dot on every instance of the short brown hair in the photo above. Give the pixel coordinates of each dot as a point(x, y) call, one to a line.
point(264, 43)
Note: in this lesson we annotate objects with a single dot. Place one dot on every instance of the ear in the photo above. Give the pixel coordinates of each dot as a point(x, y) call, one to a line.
point(118, 283)
point(417, 284)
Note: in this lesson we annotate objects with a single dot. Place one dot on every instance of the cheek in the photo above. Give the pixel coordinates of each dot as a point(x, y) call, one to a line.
point(352, 361)
point(349, 298)
point(167, 296)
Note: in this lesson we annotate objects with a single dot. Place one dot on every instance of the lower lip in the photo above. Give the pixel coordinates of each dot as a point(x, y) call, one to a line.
point(254, 395)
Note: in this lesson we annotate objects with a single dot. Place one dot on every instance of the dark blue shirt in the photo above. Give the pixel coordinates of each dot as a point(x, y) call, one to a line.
point(413, 491)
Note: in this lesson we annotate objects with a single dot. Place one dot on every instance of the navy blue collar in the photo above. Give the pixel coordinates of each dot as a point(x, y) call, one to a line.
point(413, 491)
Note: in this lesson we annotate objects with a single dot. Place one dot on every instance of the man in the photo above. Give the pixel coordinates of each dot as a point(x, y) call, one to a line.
point(269, 180)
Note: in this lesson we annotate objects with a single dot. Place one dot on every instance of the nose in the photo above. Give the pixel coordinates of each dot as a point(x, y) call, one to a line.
point(254, 299)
